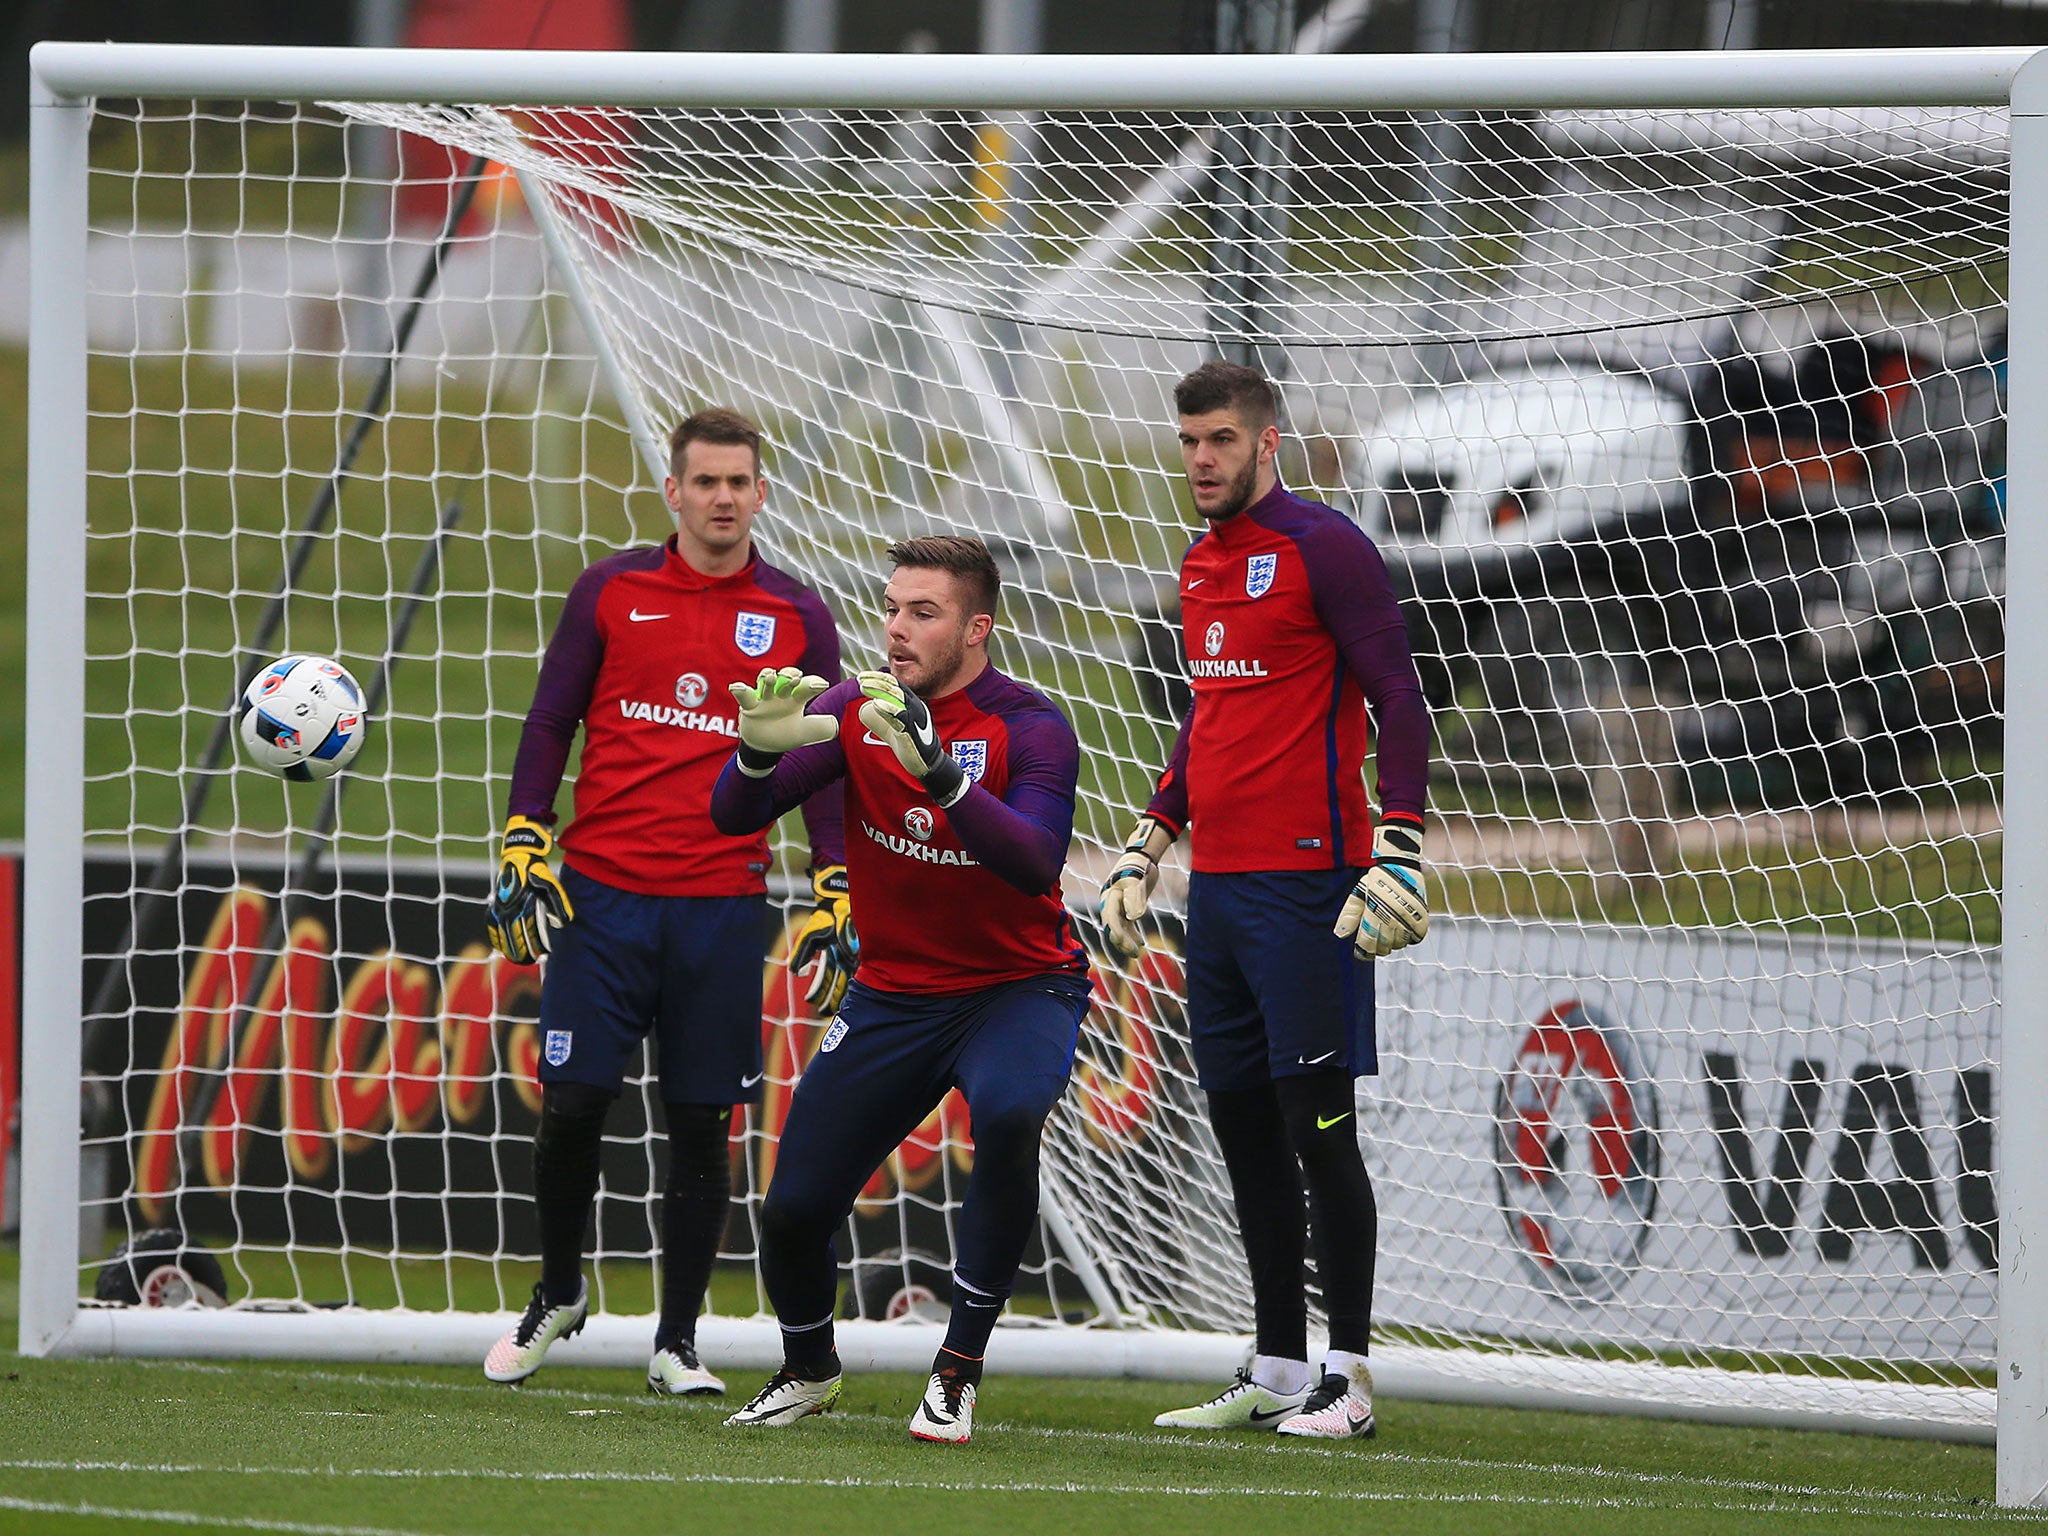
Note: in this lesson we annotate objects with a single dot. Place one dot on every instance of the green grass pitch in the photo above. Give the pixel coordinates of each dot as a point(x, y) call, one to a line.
point(122, 1447)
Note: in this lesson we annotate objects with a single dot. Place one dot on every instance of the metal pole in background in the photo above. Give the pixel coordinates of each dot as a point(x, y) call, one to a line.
point(1441, 26)
point(1248, 215)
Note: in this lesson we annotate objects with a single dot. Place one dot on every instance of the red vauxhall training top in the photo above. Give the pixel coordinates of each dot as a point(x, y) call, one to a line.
point(1292, 629)
point(945, 900)
point(641, 657)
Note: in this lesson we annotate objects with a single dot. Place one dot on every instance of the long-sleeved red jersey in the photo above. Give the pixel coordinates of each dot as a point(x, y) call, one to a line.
point(1292, 629)
point(946, 900)
point(643, 656)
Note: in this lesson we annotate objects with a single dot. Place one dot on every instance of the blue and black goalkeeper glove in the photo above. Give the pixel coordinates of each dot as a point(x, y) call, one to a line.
point(828, 940)
point(528, 903)
point(1386, 910)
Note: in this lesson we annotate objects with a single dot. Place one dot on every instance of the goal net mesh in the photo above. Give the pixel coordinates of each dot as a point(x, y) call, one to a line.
point(1682, 435)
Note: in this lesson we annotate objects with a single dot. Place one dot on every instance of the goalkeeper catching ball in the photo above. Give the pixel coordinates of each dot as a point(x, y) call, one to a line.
point(959, 803)
point(1292, 633)
point(658, 919)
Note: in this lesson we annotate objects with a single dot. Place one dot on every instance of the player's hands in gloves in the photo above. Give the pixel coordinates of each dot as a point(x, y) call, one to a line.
point(827, 938)
point(772, 718)
point(528, 903)
point(1127, 891)
point(1385, 910)
point(899, 719)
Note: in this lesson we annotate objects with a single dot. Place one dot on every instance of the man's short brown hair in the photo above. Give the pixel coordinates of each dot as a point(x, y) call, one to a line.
point(1221, 386)
point(717, 424)
point(967, 558)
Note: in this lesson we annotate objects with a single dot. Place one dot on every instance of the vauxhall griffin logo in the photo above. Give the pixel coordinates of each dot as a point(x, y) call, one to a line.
point(691, 690)
point(917, 821)
point(1575, 1153)
point(1212, 640)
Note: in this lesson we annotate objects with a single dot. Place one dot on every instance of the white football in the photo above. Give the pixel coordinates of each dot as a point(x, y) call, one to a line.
point(302, 718)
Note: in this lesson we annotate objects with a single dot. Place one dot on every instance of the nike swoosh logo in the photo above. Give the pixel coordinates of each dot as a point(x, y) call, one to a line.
point(872, 739)
point(1317, 1061)
point(641, 618)
point(1268, 1416)
point(1196, 582)
point(1324, 1125)
point(748, 1082)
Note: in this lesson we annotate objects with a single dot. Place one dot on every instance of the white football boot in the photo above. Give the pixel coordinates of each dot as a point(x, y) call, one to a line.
point(1340, 1408)
point(946, 1413)
point(1244, 1404)
point(786, 1399)
point(677, 1372)
point(519, 1353)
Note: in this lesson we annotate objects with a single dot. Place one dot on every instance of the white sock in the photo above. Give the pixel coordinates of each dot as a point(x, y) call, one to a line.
point(1276, 1373)
point(1355, 1368)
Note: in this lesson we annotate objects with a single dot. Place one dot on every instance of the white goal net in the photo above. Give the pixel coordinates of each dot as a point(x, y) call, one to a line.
point(1683, 434)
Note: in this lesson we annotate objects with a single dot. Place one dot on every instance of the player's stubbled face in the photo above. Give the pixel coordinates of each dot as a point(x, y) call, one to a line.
point(715, 499)
point(926, 622)
point(1222, 458)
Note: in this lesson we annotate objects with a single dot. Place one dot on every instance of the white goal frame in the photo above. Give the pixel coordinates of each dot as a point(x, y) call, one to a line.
point(65, 79)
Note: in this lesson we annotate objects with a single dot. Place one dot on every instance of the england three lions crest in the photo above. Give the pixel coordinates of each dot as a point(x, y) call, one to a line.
point(972, 756)
point(1258, 574)
point(753, 633)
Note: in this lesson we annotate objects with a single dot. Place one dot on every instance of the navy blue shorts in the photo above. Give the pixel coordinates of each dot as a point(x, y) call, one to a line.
point(889, 1058)
point(686, 967)
point(1271, 991)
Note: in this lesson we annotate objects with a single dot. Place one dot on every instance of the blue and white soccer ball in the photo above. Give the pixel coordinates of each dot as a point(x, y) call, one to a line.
point(303, 718)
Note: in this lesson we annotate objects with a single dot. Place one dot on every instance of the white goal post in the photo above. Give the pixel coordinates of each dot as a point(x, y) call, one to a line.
point(1714, 900)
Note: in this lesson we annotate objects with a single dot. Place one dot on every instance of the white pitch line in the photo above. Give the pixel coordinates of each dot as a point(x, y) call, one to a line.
point(195, 1517)
point(1140, 1439)
point(1821, 1503)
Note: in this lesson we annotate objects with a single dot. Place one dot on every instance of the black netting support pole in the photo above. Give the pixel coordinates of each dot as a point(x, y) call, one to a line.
point(319, 841)
point(157, 894)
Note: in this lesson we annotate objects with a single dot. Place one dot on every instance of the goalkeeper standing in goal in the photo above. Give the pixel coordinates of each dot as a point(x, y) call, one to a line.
point(658, 921)
point(1292, 632)
point(959, 804)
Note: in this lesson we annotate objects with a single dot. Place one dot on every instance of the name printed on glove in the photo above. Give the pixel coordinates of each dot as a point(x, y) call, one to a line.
point(910, 848)
point(687, 719)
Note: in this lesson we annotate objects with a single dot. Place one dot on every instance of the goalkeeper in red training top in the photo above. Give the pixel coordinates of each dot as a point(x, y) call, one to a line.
point(658, 921)
point(959, 803)
point(1292, 633)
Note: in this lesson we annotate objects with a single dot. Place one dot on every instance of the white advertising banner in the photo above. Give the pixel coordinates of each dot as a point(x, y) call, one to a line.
point(1684, 1139)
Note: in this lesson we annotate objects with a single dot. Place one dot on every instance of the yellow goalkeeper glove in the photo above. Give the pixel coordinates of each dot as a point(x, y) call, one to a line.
point(528, 903)
point(827, 939)
point(1386, 910)
point(772, 718)
point(1127, 892)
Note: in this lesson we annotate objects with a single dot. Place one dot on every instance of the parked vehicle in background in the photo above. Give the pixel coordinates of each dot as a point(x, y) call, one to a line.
point(1799, 558)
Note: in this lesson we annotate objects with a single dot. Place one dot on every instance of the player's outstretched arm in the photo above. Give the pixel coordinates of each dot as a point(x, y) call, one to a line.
point(1386, 910)
point(1127, 892)
point(528, 902)
point(741, 801)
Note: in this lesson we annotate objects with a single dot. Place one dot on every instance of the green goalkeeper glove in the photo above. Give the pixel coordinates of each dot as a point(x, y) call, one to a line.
point(900, 720)
point(1127, 892)
point(828, 939)
point(528, 903)
point(1385, 910)
point(772, 718)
